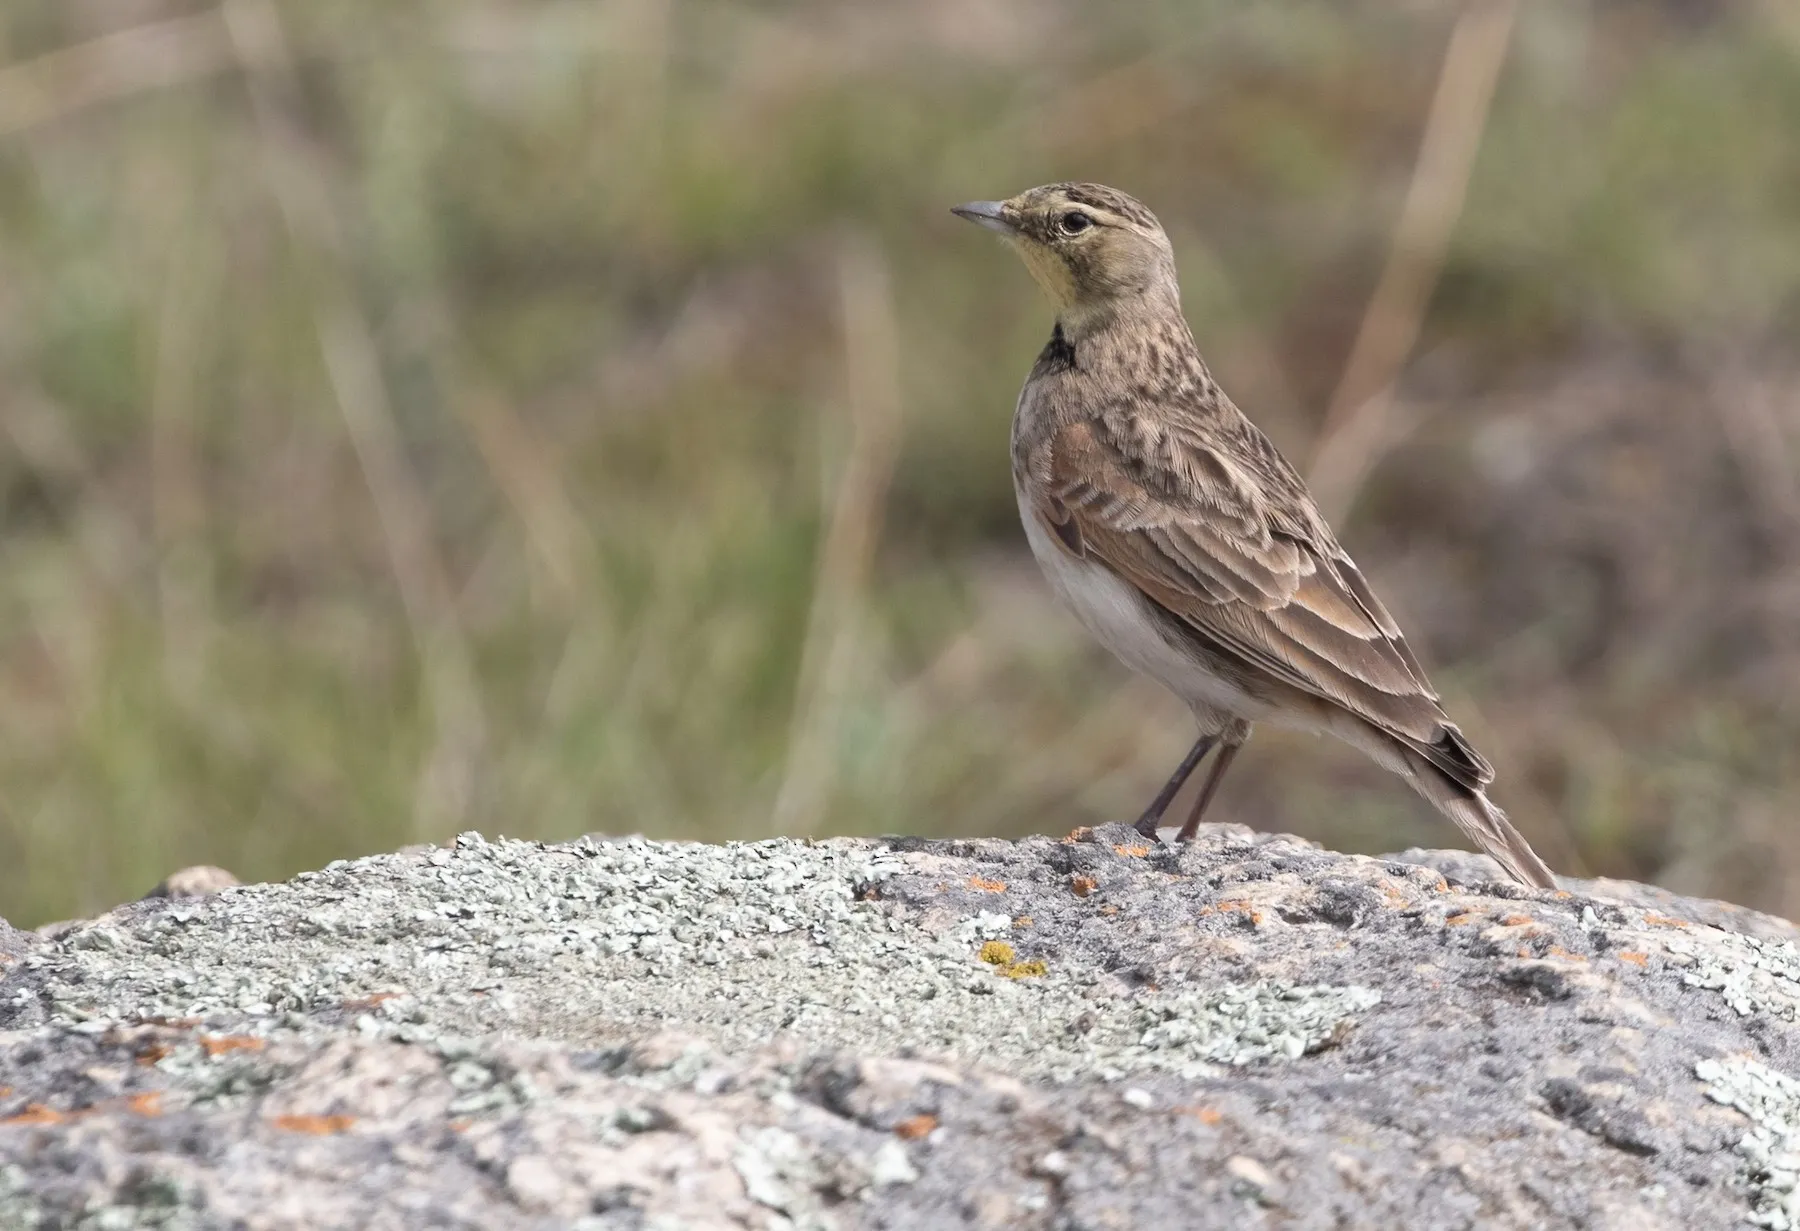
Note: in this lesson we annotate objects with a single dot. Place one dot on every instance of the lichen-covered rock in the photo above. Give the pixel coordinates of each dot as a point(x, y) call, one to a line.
point(1088, 1032)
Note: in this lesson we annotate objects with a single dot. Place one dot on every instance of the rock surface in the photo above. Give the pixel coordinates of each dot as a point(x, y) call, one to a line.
point(1089, 1032)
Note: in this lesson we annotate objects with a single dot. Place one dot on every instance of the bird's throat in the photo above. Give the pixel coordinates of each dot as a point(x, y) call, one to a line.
point(1049, 271)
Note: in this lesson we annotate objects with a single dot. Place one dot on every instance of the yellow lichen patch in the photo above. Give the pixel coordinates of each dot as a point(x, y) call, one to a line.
point(987, 886)
point(1131, 852)
point(999, 954)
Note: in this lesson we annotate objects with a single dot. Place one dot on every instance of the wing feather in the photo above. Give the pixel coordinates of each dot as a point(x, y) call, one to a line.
point(1239, 557)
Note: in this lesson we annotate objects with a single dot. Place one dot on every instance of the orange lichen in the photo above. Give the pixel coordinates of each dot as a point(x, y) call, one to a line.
point(1131, 852)
point(1456, 921)
point(1206, 1115)
point(1023, 921)
point(1663, 921)
point(1636, 959)
point(362, 1004)
point(1515, 921)
point(146, 1103)
point(316, 1126)
point(1564, 954)
point(36, 1113)
point(1080, 833)
point(914, 1127)
point(219, 1044)
point(987, 886)
point(1081, 886)
point(1251, 912)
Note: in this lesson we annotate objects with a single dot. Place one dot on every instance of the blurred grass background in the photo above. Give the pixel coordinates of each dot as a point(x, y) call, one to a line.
point(555, 417)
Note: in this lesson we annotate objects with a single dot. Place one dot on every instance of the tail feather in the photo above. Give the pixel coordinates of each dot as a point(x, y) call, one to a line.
point(1481, 820)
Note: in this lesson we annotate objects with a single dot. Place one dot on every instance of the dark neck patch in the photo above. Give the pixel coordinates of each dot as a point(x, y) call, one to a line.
point(1058, 354)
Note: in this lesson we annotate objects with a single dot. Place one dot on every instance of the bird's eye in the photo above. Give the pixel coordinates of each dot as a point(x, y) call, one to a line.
point(1074, 222)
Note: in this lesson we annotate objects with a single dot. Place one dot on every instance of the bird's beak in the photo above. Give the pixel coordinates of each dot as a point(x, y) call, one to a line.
point(989, 214)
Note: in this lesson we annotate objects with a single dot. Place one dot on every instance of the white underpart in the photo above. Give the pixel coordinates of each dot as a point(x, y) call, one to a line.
point(1116, 613)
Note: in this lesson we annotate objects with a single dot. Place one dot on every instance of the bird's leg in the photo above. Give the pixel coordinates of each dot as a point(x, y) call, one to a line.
point(1146, 824)
point(1208, 788)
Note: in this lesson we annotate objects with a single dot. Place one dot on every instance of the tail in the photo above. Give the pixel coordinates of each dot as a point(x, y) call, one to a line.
point(1479, 818)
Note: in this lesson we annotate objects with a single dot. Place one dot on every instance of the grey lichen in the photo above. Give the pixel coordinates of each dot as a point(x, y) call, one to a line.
point(17, 1208)
point(754, 940)
point(1754, 976)
point(1771, 1149)
point(1191, 1033)
point(1047, 1032)
point(1253, 1022)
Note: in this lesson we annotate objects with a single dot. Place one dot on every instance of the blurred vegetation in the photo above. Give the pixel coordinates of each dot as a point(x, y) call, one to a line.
point(557, 417)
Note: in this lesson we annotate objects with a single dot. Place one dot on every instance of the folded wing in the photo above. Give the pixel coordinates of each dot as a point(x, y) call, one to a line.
point(1228, 542)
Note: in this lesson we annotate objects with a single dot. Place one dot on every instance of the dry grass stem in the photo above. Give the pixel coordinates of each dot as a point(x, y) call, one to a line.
point(1111, 735)
point(1356, 431)
point(1751, 411)
point(130, 61)
point(353, 365)
point(177, 497)
point(834, 642)
point(522, 468)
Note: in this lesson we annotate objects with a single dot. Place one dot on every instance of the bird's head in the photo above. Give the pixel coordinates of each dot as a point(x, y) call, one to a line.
point(1094, 250)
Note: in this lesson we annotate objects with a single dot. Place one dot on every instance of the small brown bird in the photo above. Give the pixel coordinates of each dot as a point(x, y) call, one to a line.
point(1183, 541)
